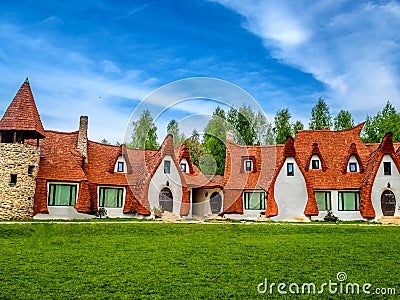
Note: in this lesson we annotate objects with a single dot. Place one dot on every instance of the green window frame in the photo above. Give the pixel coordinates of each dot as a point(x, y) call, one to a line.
point(111, 197)
point(349, 201)
point(254, 200)
point(323, 200)
point(62, 194)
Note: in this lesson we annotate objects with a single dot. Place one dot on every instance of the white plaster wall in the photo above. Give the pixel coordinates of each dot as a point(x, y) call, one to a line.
point(343, 215)
point(250, 213)
point(353, 159)
point(290, 193)
point(184, 161)
point(113, 212)
point(121, 158)
point(62, 213)
point(380, 184)
point(159, 181)
point(201, 203)
point(315, 157)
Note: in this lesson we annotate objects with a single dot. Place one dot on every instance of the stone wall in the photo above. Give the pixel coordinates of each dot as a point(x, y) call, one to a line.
point(20, 161)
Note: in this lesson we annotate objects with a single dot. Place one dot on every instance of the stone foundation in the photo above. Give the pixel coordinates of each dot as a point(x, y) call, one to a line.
point(20, 162)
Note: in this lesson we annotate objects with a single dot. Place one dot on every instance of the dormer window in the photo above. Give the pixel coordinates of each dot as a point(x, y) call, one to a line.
point(353, 167)
point(315, 164)
point(120, 167)
point(387, 168)
point(248, 165)
point(183, 168)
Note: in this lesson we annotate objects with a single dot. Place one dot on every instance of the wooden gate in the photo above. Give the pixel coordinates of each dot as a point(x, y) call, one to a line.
point(388, 203)
point(166, 200)
point(215, 202)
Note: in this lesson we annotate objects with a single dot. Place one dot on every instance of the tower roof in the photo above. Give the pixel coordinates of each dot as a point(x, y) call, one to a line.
point(22, 114)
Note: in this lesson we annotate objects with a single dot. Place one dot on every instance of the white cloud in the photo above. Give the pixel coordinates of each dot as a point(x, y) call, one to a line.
point(351, 47)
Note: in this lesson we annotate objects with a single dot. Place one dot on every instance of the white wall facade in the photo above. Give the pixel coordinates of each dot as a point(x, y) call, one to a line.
point(353, 159)
point(63, 212)
point(290, 194)
point(184, 161)
point(113, 212)
point(315, 157)
point(121, 158)
point(343, 215)
point(201, 203)
point(381, 184)
point(161, 180)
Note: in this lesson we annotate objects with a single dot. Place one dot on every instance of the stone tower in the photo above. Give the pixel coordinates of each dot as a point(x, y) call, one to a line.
point(20, 132)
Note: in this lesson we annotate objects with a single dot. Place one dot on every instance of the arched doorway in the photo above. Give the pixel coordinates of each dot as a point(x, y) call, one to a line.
point(165, 199)
point(215, 202)
point(388, 203)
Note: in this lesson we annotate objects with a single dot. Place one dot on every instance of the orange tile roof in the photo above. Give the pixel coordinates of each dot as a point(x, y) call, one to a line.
point(59, 160)
point(334, 148)
point(236, 179)
point(22, 113)
point(101, 161)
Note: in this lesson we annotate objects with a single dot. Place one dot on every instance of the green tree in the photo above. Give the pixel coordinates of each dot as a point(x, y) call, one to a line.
point(144, 134)
point(298, 126)
point(320, 116)
point(214, 140)
point(245, 126)
point(264, 130)
point(105, 141)
point(173, 128)
point(387, 120)
point(196, 149)
point(283, 127)
point(343, 120)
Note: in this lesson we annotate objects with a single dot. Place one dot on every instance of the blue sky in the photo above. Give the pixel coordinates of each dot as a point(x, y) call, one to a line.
point(101, 58)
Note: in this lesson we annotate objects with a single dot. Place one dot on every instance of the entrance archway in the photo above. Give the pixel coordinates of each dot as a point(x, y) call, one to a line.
point(165, 199)
point(388, 203)
point(215, 203)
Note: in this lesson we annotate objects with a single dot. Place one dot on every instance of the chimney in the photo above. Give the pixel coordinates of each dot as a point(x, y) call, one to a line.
point(230, 136)
point(326, 128)
point(82, 137)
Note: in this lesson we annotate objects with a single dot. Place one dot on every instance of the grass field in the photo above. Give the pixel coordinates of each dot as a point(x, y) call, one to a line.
point(190, 261)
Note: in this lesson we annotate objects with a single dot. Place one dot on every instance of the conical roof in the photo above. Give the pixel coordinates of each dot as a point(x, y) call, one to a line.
point(22, 114)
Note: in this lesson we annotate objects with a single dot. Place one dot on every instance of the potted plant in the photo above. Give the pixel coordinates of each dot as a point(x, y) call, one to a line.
point(158, 210)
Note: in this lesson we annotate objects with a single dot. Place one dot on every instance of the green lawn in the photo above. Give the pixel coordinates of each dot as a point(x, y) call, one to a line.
point(190, 261)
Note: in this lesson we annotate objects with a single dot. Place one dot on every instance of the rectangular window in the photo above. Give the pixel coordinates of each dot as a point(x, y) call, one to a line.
point(120, 167)
point(167, 166)
point(290, 169)
point(323, 200)
point(315, 164)
point(110, 197)
point(353, 167)
point(183, 168)
point(31, 169)
point(62, 194)
point(248, 164)
point(13, 179)
point(254, 200)
point(387, 168)
point(349, 201)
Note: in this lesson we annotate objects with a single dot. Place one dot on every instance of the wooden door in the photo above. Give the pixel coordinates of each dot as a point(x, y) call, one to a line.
point(388, 203)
